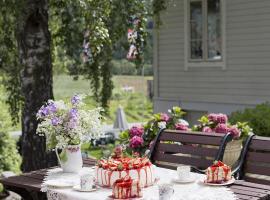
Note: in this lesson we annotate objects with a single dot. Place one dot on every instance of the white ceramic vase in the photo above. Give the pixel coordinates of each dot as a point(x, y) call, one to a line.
point(71, 162)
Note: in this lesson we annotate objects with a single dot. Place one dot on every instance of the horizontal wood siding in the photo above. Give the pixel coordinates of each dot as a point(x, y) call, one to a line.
point(246, 79)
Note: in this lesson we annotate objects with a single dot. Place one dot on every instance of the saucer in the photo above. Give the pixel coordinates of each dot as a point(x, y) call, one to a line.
point(58, 184)
point(135, 198)
point(78, 188)
point(190, 179)
point(219, 184)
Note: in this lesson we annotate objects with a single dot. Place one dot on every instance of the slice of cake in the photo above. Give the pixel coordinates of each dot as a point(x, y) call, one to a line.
point(218, 173)
point(126, 188)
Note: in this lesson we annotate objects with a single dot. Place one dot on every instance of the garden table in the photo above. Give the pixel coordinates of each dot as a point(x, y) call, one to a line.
point(29, 186)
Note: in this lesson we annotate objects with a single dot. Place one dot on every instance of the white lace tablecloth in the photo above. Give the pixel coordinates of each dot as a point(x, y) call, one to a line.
point(191, 191)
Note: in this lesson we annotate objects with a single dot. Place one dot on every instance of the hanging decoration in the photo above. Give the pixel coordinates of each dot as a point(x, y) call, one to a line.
point(136, 39)
point(87, 52)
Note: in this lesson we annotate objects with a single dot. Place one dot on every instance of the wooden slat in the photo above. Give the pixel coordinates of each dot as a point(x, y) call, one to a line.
point(245, 188)
point(255, 169)
point(187, 149)
point(244, 197)
point(190, 138)
point(252, 185)
point(23, 182)
point(250, 193)
point(260, 144)
point(182, 160)
point(256, 180)
point(258, 157)
point(166, 166)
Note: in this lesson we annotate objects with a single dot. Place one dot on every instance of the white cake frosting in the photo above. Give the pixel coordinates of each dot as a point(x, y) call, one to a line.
point(145, 176)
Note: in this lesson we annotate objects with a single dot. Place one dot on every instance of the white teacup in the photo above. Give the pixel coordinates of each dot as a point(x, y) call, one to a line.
point(87, 182)
point(166, 191)
point(183, 172)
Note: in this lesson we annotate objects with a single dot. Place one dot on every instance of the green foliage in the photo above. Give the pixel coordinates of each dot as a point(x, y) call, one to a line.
point(10, 159)
point(124, 67)
point(258, 118)
point(107, 23)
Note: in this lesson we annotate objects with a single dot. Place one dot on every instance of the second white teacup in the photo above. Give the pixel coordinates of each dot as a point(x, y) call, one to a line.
point(87, 182)
point(183, 172)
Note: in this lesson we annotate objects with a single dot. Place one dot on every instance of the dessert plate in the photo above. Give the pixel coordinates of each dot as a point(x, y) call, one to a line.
point(58, 184)
point(112, 198)
point(78, 188)
point(219, 184)
point(188, 180)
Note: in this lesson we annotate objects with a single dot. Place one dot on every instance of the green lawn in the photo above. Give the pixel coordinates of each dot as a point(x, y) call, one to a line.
point(136, 105)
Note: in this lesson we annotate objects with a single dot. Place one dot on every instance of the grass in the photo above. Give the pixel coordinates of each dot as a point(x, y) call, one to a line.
point(136, 105)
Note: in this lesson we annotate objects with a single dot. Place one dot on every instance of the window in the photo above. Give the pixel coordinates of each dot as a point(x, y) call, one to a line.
point(204, 33)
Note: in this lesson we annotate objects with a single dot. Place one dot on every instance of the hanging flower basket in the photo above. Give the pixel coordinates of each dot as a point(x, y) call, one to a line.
point(232, 152)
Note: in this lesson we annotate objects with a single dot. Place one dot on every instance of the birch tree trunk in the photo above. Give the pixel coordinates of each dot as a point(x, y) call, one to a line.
point(35, 56)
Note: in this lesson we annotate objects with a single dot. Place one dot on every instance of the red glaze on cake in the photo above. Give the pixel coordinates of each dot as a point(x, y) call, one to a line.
point(218, 173)
point(139, 169)
point(126, 188)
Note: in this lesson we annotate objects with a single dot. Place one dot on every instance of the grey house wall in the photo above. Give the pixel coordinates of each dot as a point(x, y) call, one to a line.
point(244, 83)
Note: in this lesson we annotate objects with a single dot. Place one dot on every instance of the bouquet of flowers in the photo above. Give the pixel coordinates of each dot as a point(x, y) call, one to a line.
point(68, 124)
point(138, 138)
point(219, 123)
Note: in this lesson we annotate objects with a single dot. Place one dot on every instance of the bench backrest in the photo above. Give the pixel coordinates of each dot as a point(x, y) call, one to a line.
point(257, 161)
point(197, 149)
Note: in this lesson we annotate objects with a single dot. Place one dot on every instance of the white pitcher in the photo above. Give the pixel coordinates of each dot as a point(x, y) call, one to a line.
point(73, 159)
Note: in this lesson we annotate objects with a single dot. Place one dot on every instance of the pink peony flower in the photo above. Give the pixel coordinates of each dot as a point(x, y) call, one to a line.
point(164, 117)
point(181, 126)
point(221, 128)
point(136, 142)
point(212, 117)
point(207, 130)
point(136, 131)
point(218, 118)
point(222, 118)
point(235, 132)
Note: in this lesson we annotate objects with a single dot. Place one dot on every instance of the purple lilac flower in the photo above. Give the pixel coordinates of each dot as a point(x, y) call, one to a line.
point(181, 126)
point(235, 132)
point(136, 131)
point(55, 121)
point(43, 111)
point(76, 99)
point(221, 128)
point(164, 117)
point(207, 129)
point(73, 113)
point(52, 107)
point(136, 142)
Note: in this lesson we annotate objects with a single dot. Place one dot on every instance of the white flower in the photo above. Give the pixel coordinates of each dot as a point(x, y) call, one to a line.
point(162, 125)
point(88, 126)
point(184, 122)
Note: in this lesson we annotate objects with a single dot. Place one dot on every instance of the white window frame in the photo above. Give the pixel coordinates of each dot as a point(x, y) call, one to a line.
point(190, 63)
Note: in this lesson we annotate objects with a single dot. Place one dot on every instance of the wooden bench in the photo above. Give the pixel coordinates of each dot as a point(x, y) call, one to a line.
point(172, 148)
point(254, 163)
point(29, 185)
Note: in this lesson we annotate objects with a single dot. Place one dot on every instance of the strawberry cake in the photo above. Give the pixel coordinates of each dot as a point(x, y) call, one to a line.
point(126, 188)
point(112, 169)
point(218, 173)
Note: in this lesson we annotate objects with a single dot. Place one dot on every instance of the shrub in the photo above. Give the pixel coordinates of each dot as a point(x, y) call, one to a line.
point(10, 159)
point(258, 118)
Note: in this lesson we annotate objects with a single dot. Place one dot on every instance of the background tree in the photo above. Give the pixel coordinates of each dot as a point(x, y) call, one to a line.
point(28, 49)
